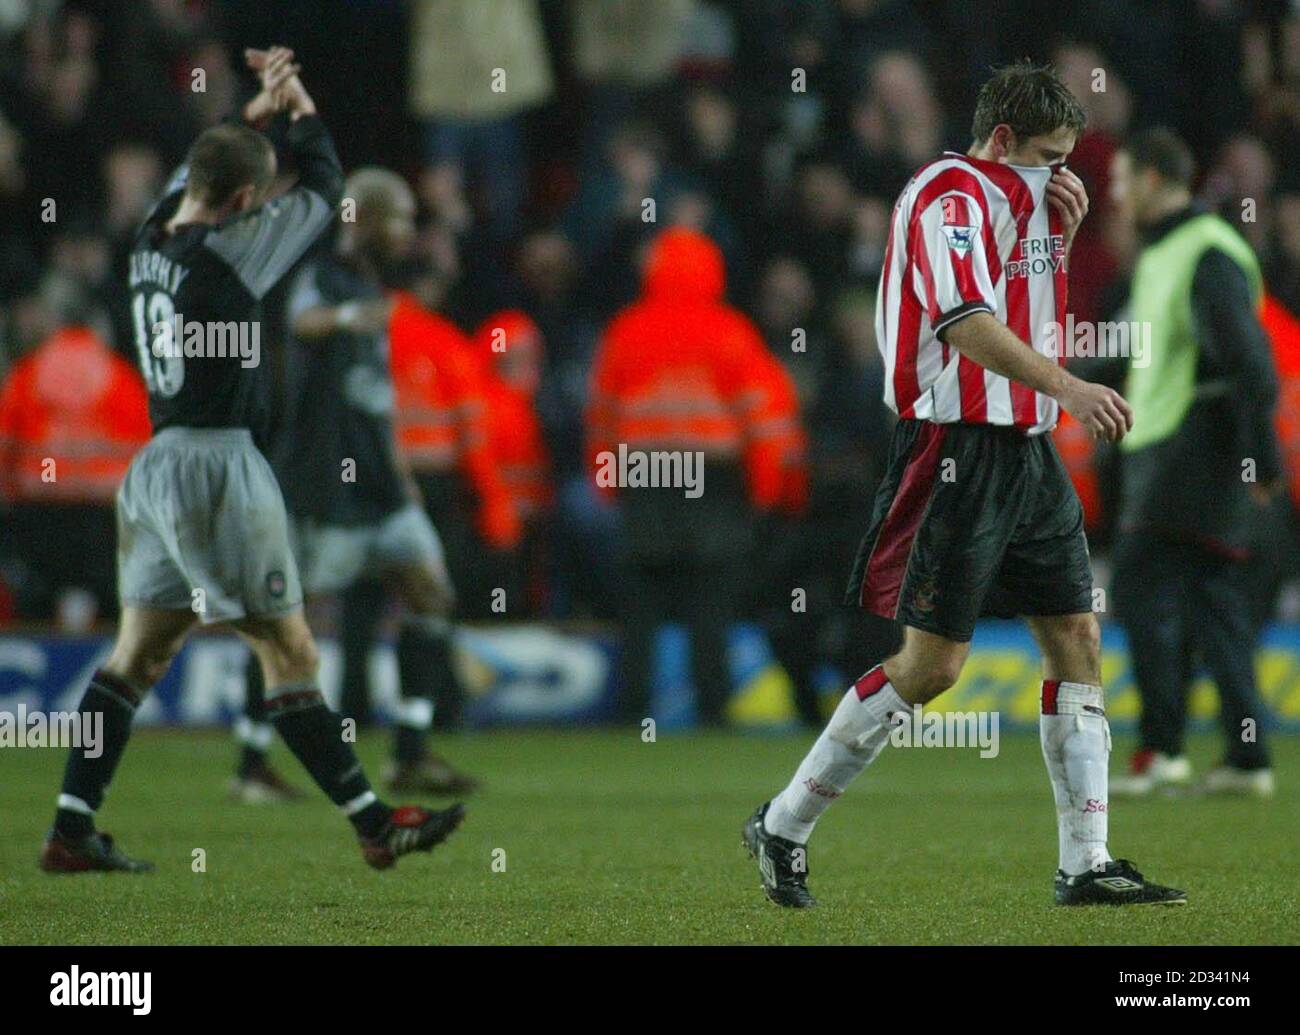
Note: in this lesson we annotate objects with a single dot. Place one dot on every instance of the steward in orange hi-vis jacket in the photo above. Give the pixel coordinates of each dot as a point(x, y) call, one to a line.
point(509, 347)
point(72, 414)
point(781, 437)
point(1283, 329)
point(676, 425)
point(441, 422)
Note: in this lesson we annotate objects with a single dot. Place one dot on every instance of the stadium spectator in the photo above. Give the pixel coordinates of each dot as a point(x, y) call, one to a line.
point(679, 375)
point(475, 69)
point(624, 52)
point(895, 125)
point(846, 425)
point(72, 414)
point(510, 347)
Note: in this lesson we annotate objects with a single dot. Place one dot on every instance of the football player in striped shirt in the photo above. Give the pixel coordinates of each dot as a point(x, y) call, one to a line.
point(975, 514)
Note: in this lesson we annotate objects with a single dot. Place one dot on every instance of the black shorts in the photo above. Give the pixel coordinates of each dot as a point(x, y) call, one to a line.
point(971, 520)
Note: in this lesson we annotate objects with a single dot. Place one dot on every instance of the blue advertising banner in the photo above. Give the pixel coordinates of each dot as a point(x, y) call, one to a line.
point(531, 674)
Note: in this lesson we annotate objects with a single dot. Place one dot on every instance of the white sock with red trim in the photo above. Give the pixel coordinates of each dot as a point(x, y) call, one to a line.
point(1076, 748)
point(856, 734)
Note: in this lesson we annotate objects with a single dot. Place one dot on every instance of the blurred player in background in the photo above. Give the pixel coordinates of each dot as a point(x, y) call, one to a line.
point(442, 432)
point(1202, 457)
point(975, 512)
point(203, 534)
point(356, 509)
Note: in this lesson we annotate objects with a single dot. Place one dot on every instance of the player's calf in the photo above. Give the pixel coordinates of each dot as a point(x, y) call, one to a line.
point(1071, 645)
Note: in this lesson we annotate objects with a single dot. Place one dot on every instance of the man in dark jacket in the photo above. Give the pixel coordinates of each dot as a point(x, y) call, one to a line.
point(1201, 459)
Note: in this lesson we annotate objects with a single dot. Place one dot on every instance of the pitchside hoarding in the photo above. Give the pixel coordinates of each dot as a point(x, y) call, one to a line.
point(529, 674)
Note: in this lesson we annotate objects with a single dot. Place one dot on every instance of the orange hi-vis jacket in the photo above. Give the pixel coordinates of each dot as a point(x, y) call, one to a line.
point(1075, 444)
point(72, 414)
point(681, 370)
point(1283, 329)
point(509, 346)
point(441, 415)
point(782, 434)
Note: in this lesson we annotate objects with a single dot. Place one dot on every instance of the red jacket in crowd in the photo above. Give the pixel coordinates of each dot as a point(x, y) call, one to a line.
point(1283, 329)
point(681, 370)
point(509, 346)
point(441, 418)
point(72, 414)
point(782, 437)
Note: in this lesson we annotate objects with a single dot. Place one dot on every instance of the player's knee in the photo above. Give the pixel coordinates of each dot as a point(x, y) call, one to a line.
point(927, 681)
point(292, 654)
point(143, 664)
point(301, 655)
point(945, 673)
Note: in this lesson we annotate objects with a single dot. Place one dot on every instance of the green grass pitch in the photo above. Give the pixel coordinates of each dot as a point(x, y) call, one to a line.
point(606, 839)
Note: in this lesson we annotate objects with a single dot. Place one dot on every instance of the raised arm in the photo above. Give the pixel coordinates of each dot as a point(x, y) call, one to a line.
point(264, 244)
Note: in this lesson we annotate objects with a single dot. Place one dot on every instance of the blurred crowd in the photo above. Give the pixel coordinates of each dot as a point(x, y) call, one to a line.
point(549, 141)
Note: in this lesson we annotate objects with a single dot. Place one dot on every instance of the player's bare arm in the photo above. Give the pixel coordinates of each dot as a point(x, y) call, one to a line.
point(984, 340)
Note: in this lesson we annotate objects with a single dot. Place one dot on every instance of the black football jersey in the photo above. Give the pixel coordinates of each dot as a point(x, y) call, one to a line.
point(196, 293)
point(336, 452)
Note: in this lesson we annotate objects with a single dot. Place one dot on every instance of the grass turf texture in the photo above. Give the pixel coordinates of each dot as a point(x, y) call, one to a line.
point(611, 840)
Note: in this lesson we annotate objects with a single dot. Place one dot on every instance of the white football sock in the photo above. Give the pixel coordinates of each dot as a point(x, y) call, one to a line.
point(1076, 747)
point(853, 738)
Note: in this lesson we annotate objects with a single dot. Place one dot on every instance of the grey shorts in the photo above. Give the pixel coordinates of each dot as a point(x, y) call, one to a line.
point(332, 557)
point(201, 526)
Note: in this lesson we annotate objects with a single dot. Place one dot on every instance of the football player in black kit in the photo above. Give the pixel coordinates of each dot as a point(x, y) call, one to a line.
point(202, 530)
point(353, 504)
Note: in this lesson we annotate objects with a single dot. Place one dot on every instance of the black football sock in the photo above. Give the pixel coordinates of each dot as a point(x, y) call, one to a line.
point(315, 736)
point(252, 729)
point(371, 821)
point(421, 643)
point(108, 706)
point(441, 679)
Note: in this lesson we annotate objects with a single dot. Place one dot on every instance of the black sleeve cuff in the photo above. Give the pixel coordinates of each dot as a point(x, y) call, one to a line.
point(305, 128)
point(953, 315)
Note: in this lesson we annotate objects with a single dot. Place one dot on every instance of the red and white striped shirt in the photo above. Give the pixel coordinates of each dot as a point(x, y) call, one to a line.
point(970, 235)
